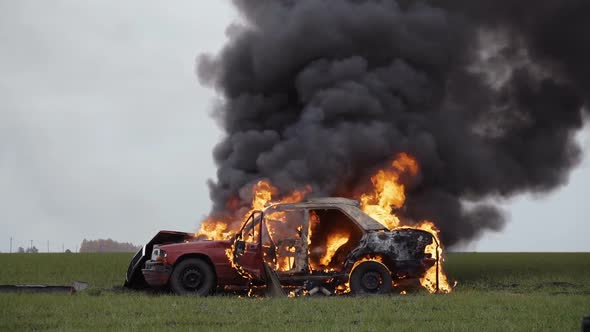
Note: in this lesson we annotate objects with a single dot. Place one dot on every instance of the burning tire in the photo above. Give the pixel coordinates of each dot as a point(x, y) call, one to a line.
point(193, 276)
point(370, 278)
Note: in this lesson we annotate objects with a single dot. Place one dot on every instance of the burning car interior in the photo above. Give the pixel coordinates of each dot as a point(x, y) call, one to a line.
point(333, 236)
point(308, 244)
point(330, 235)
point(302, 242)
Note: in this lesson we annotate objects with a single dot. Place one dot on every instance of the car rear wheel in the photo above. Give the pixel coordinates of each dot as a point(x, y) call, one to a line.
point(370, 278)
point(192, 276)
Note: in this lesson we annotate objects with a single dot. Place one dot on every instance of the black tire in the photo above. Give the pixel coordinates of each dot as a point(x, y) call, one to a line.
point(193, 276)
point(370, 278)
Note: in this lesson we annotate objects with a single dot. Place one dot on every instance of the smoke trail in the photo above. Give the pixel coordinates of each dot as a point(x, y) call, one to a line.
point(486, 95)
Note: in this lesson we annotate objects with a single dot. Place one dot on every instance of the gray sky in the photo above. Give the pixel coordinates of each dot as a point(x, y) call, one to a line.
point(105, 131)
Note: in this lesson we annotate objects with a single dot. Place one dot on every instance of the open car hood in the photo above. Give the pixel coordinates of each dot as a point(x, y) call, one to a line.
point(134, 278)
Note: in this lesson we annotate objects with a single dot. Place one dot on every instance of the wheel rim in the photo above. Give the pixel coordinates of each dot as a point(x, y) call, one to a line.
point(192, 278)
point(371, 281)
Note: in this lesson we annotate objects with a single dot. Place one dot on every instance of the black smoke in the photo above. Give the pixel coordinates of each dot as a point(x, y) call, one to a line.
point(487, 95)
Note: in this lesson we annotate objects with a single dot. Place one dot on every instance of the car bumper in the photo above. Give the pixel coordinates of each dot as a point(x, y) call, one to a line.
point(156, 274)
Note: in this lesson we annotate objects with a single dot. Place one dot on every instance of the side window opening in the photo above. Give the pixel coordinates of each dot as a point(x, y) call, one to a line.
point(250, 230)
point(333, 236)
point(303, 241)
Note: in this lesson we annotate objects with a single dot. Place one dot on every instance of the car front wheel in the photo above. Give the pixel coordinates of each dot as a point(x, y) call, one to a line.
point(193, 276)
point(370, 278)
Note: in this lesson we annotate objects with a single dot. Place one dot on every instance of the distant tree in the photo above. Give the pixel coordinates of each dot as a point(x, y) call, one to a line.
point(32, 250)
point(68, 251)
point(108, 245)
point(21, 250)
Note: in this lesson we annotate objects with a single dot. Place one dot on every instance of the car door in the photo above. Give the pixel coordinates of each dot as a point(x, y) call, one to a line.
point(247, 249)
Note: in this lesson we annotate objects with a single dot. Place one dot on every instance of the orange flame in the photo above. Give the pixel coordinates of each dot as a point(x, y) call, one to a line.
point(213, 229)
point(263, 193)
point(389, 194)
point(428, 281)
point(335, 241)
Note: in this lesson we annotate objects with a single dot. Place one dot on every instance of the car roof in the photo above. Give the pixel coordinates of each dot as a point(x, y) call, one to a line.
point(348, 206)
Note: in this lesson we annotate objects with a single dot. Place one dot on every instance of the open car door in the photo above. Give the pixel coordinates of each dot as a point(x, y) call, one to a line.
point(247, 248)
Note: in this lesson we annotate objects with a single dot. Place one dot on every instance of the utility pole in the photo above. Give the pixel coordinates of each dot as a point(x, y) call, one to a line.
point(47, 245)
point(31, 247)
point(62, 248)
point(11, 244)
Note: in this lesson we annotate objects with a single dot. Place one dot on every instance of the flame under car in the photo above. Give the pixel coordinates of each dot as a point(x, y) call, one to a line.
point(322, 244)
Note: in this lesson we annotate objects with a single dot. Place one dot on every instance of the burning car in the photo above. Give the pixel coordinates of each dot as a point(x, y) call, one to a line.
point(322, 244)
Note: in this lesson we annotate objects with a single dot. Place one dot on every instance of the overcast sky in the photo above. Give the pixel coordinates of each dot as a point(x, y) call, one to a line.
point(105, 131)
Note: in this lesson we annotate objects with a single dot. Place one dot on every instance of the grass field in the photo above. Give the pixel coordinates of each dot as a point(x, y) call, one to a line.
point(509, 292)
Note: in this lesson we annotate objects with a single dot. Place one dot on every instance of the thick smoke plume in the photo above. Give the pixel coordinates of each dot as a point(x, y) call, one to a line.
point(487, 95)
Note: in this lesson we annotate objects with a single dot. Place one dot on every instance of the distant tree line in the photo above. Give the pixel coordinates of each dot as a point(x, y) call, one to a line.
point(108, 245)
point(31, 250)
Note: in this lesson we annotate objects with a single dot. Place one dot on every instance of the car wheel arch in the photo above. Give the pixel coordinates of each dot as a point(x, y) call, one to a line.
point(203, 257)
point(378, 257)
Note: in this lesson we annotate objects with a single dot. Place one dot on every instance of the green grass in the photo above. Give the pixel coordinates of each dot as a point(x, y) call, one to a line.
point(100, 270)
point(539, 273)
point(510, 292)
